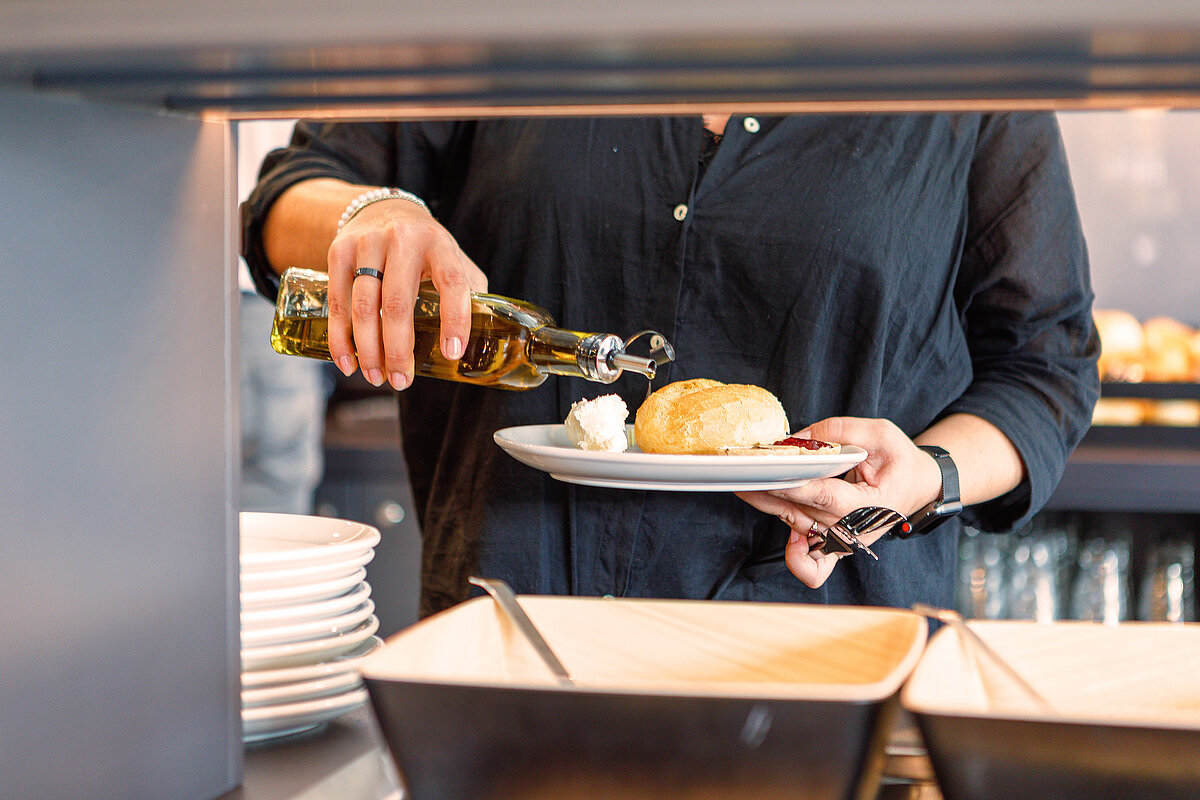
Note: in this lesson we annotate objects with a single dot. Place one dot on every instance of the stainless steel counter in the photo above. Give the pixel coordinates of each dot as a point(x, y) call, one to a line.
point(342, 760)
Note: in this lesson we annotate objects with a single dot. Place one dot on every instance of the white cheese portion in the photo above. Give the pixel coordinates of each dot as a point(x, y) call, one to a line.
point(598, 424)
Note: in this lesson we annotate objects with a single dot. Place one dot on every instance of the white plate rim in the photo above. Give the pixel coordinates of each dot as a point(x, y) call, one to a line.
point(265, 719)
point(257, 598)
point(346, 662)
point(310, 629)
point(271, 732)
point(311, 689)
point(301, 708)
point(359, 536)
point(271, 616)
point(546, 447)
point(317, 572)
point(322, 649)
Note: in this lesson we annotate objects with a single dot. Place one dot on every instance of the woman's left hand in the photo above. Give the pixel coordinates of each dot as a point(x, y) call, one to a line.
point(896, 475)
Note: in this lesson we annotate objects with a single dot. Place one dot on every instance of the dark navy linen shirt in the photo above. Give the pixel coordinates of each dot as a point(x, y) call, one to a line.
point(896, 266)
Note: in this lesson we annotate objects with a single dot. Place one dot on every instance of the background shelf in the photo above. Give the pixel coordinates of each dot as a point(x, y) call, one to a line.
point(1130, 478)
point(1151, 391)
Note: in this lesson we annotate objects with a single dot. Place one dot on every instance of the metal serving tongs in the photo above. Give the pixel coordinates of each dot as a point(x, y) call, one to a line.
point(842, 537)
point(507, 601)
point(973, 639)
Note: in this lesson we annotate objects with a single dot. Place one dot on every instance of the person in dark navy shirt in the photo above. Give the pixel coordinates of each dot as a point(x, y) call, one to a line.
point(894, 279)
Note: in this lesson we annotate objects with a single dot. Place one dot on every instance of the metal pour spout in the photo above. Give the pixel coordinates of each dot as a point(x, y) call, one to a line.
point(638, 364)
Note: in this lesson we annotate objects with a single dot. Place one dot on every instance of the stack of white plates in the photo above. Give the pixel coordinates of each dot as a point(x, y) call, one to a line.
point(307, 620)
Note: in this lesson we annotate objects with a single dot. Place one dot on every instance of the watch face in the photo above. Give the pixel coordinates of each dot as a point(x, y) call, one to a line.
point(926, 519)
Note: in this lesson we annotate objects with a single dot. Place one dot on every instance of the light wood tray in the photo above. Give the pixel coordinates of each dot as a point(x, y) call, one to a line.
point(703, 648)
point(1145, 674)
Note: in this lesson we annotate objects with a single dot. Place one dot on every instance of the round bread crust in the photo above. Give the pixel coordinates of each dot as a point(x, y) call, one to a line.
point(700, 416)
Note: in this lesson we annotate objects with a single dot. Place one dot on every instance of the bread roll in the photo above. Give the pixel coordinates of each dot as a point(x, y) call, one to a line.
point(700, 416)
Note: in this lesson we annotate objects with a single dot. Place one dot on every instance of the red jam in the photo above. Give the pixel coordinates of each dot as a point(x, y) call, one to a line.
point(804, 444)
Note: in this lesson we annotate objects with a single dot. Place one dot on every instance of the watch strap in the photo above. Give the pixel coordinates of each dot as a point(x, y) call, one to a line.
point(948, 502)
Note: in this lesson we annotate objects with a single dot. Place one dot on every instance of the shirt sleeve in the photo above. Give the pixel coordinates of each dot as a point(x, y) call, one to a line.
point(1024, 293)
point(404, 156)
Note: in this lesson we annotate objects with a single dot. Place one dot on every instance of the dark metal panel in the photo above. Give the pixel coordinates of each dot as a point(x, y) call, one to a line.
point(422, 59)
point(118, 547)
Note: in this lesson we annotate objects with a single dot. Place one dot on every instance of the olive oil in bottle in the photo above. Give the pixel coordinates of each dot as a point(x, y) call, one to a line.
point(513, 344)
point(301, 336)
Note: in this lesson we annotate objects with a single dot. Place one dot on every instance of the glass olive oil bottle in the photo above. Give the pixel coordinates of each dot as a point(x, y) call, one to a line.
point(513, 344)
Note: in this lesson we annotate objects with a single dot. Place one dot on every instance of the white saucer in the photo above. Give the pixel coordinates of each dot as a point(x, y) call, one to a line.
point(270, 540)
point(296, 654)
point(285, 693)
point(275, 616)
point(267, 722)
point(547, 448)
point(305, 630)
point(347, 662)
point(305, 593)
point(311, 572)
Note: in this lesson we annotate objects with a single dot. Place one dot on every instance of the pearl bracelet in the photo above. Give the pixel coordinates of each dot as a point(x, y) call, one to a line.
point(374, 196)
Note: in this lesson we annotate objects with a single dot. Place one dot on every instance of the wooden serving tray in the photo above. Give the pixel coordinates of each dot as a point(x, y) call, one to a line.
point(1123, 722)
point(688, 700)
point(702, 648)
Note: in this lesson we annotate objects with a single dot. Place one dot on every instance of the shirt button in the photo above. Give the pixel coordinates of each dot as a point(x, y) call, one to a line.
point(680, 212)
point(750, 124)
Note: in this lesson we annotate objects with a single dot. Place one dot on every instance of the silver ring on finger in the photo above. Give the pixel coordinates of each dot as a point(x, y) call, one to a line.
point(374, 273)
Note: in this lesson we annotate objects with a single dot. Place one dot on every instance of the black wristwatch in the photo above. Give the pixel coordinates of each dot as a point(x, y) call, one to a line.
point(948, 503)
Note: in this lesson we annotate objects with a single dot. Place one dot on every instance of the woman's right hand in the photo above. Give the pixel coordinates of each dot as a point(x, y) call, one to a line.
point(403, 241)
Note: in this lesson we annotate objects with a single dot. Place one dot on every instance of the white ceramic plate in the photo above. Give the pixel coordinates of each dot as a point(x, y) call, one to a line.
point(547, 448)
point(311, 651)
point(277, 616)
point(304, 593)
point(271, 541)
point(345, 663)
point(297, 691)
point(319, 572)
point(309, 629)
point(268, 722)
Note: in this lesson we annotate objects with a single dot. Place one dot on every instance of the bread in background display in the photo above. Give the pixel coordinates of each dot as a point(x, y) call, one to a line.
point(1122, 345)
point(1176, 413)
point(1168, 351)
point(1160, 350)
